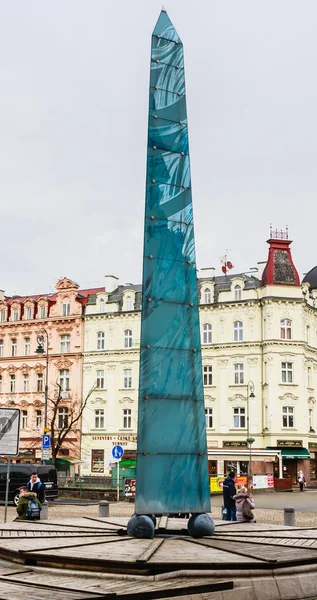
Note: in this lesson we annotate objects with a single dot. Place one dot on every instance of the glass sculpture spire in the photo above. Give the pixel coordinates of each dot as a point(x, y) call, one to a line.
point(172, 470)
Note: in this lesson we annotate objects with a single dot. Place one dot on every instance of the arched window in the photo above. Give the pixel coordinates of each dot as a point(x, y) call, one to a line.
point(100, 340)
point(207, 296)
point(238, 331)
point(237, 292)
point(129, 303)
point(207, 334)
point(128, 338)
point(102, 305)
point(286, 329)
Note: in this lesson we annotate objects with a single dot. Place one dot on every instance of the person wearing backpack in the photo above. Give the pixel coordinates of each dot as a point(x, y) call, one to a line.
point(244, 505)
point(35, 485)
point(29, 507)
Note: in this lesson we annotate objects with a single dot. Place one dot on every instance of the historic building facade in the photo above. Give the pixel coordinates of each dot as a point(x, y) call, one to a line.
point(259, 354)
point(58, 318)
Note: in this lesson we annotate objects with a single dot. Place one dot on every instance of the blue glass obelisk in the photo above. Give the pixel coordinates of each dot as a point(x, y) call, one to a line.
point(172, 470)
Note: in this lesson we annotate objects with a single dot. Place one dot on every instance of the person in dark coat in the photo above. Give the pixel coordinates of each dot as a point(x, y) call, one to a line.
point(229, 490)
point(35, 485)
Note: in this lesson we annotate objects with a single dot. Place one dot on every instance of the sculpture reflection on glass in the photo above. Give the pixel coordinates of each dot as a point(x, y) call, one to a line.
point(172, 467)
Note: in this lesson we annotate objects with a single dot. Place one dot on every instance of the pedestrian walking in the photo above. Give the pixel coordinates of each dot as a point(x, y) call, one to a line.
point(29, 507)
point(301, 480)
point(35, 485)
point(244, 505)
point(229, 491)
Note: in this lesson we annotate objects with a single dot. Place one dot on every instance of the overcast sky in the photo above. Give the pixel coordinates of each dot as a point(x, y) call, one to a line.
point(73, 125)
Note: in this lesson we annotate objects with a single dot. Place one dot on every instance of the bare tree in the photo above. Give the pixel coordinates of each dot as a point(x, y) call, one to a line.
point(67, 425)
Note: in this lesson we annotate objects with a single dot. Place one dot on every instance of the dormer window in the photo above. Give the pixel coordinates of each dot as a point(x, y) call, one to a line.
point(237, 293)
point(15, 315)
point(28, 313)
point(42, 312)
point(207, 296)
point(129, 303)
point(66, 309)
point(2, 315)
point(101, 305)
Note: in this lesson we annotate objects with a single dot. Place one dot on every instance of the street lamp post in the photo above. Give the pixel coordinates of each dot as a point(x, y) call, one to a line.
point(40, 350)
point(250, 440)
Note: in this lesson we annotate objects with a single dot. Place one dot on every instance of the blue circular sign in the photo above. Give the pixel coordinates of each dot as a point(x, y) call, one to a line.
point(117, 452)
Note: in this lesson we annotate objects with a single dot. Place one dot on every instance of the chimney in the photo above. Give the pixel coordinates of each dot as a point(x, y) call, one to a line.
point(207, 272)
point(111, 283)
point(280, 269)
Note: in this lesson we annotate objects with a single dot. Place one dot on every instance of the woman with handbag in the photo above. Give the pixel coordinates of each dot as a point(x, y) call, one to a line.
point(244, 505)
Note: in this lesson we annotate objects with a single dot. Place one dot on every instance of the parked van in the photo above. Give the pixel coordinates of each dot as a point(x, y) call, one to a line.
point(20, 474)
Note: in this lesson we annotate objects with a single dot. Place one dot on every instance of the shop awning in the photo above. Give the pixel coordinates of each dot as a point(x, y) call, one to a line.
point(295, 453)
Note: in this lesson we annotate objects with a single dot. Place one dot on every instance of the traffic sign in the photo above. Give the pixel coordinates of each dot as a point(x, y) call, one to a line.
point(117, 452)
point(46, 441)
point(9, 431)
point(45, 454)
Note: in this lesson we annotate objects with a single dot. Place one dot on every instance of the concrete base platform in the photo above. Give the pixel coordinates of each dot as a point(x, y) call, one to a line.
point(94, 558)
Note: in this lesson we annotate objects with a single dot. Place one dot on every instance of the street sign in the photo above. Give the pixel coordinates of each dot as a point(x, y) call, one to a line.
point(45, 454)
point(46, 441)
point(9, 431)
point(117, 452)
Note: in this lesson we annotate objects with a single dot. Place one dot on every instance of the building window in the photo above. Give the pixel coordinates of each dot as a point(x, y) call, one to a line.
point(237, 292)
point(129, 303)
point(62, 417)
point(26, 382)
point(40, 380)
point(287, 372)
point(99, 419)
point(127, 378)
point(24, 422)
point(239, 374)
point(239, 418)
point(14, 347)
point(311, 419)
point(238, 331)
point(2, 315)
point(286, 329)
point(101, 305)
point(128, 338)
point(66, 309)
point(127, 419)
point(64, 380)
point(27, 346)
point(38, 419)
point(1, 347)
point(100, 340)
point(207, 296)
point(12, 383)
point(288, 416)
point(208, 417)
point(15, 315)
point(207, 372)
point(65, 343)
point(207, 334)
point(309, 377)
point(100, 379)
point(42, 312)
point(0, 384)
point(28, 313)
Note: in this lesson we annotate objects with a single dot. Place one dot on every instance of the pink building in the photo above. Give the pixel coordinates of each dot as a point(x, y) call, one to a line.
point(23, 371)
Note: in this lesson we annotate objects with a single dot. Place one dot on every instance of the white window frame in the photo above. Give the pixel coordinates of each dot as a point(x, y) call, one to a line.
point(129, 303)
point(12, 384)
point(62, 415)
point(40, 382)
point(64, 380)
point(127, 418)
point(209, 418)
point(238, 331)
point(24, 419)
point(66, 309)
point(286, 329)
point(42, 311)
point(26, 382)
point(128, 338)
point(239, 417)
point(100, 379)
point(14, 347)
point(99, 418)
point(207, 333)
point(288, 417)
point(15, 314)
point(27, 346)
point(127, 378)
point(65, 343)
point(100, 340)
point(28, 313)
point(287, 372)
point(207, 296)
point(38, 419)
point(2, 315)
point(238, 374)
point(237, 293)
point(101, 305)
point(207, 375)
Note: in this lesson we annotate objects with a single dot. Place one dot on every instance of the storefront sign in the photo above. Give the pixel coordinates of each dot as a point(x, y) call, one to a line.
point(312, 445)
point(241, 480)
point(216, 483)
point(289, 443)
point(129, 488)
point(270, 481)
point(235, 444)
point(115, 438)
point(212, 444)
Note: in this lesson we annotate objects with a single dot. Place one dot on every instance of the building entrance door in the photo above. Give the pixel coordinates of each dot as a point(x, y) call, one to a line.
point(290, 469)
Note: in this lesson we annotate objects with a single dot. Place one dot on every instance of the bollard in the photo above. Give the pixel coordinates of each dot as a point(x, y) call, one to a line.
point(44, 511)
point(104, 508)
point(289, 516)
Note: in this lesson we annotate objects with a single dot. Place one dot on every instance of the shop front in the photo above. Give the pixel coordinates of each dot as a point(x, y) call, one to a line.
point(294, 458)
